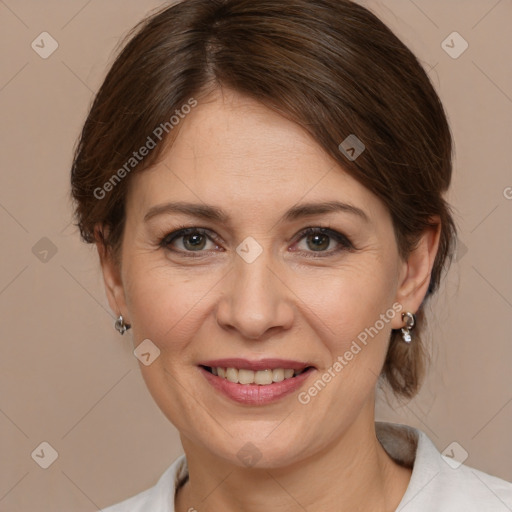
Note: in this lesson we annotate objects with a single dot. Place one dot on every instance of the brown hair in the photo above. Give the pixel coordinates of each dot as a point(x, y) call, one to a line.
point(329, 65)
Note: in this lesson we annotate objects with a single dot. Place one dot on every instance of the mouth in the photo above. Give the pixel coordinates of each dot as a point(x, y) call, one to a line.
point(263, 377)
point(261, 372)
point(256, 383)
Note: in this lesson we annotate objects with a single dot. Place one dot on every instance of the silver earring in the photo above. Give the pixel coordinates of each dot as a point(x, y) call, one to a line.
point(410, 321)
point(120, 326)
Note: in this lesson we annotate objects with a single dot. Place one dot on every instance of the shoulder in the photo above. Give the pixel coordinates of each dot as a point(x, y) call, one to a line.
point(472, 488)
point(439, 482)
point(138, 503)
point(444, 486)
point(159, 498)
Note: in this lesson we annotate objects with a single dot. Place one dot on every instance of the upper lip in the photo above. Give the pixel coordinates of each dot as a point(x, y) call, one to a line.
point(261, 364)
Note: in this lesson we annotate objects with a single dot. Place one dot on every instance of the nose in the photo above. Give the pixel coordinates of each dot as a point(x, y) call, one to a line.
point(256, 301)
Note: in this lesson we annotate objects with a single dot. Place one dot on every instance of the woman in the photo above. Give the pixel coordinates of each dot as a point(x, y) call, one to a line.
point(264, 182)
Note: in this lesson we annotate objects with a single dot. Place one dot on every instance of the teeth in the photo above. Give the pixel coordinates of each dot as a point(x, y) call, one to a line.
point(278, 375)
point(245, 376)
point(263, 377)
point(260, 377)
point(232, 375)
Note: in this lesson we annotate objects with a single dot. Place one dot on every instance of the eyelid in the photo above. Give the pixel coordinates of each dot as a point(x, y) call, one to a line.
point(340, 238)
point(182, 231)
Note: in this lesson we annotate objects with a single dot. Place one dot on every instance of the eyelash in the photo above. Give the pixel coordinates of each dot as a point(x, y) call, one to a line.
point(183, 231)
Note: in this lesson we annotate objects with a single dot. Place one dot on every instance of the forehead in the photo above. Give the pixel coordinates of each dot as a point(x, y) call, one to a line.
point(230, 133)
point(233, 151)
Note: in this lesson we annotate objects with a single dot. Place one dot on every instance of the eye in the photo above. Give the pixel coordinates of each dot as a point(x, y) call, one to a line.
point(189, 240)
point(323, 240)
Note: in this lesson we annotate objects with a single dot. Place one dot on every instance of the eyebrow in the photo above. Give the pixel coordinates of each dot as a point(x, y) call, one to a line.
point(207, 212)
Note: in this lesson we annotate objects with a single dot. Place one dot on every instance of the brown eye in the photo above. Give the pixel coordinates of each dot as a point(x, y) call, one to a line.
point(318, 242)
point(189, 240)
point(194, 242)
point(323, 241)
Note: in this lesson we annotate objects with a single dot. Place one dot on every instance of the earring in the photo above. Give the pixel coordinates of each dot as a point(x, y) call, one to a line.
point(410, 321)
point(120, 326)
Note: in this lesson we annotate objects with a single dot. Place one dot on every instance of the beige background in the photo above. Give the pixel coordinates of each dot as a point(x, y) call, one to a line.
point(68, 379)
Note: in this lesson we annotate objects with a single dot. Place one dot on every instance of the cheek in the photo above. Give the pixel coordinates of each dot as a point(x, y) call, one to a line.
point(351, 313)
point(169, 308)
point(166, 306)
point(348, 300)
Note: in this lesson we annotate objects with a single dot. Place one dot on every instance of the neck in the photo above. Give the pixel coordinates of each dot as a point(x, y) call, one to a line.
point(352, 473)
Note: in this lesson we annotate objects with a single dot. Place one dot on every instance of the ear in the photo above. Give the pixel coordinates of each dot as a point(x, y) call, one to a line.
point(415, 274)
point(111, 270)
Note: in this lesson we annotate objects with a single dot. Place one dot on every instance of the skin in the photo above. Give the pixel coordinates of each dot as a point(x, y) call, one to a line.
point(293, 302)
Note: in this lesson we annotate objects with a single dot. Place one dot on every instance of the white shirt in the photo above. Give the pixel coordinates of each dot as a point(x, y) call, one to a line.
point(438, 483)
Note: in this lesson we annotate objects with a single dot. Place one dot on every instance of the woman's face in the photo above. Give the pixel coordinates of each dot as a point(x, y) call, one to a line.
point(245, 282)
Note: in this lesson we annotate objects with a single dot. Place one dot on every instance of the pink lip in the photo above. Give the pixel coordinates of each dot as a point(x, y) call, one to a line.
point(254, 394)
point(262, 364)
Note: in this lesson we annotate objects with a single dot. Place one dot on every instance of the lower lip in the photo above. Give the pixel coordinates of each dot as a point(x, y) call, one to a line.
point(254, 394)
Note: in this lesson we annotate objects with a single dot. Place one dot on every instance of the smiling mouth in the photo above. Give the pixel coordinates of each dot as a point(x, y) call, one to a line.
point(259, 377)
